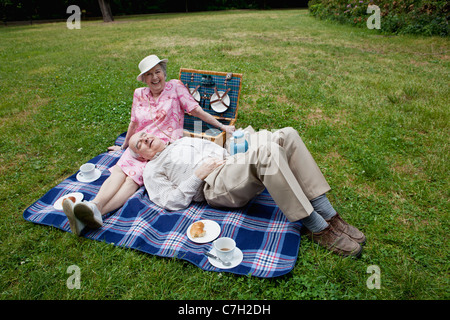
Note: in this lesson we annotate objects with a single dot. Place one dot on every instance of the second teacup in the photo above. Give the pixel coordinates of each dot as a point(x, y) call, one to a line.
point(225, 248)
point(87, 171)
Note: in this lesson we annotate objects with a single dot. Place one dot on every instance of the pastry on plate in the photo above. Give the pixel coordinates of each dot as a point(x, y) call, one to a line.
point(197, 230)
point(71, 199)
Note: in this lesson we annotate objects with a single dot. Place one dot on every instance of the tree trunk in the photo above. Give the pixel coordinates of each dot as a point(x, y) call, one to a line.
point(106, 10)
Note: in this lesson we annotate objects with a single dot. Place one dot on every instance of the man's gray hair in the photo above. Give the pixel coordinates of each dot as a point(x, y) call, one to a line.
point(134, 154)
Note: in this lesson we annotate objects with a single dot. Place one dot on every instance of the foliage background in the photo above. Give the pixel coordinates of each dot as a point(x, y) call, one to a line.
point(15, 10)
point(425, 17)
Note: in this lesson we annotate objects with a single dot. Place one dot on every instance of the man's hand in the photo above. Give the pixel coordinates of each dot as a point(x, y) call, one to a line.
point(207, 167)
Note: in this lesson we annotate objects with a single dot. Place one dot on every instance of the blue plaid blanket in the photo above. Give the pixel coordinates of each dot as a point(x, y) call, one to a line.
point(269, 242)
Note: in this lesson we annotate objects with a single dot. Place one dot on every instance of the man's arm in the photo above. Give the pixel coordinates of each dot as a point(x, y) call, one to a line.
point(169, 196)
point(207, 167)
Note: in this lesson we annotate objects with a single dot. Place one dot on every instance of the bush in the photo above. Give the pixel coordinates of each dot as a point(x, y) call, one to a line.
point(425, 17)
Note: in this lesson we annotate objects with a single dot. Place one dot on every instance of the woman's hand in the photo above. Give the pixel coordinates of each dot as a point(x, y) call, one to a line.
point(228, 129)
point(207, 167)
point(114, 148)
point(201, 114)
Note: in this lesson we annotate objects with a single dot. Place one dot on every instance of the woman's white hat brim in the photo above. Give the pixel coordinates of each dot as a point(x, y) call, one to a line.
point(147, 64)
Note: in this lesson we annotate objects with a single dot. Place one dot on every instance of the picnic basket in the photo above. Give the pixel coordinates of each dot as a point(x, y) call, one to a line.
point(218, 94)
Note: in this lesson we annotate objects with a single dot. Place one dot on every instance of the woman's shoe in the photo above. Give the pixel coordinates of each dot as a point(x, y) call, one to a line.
point(76, 226)
point(88, 213)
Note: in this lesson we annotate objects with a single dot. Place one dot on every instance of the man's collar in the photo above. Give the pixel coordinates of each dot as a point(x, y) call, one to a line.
point(158, 153)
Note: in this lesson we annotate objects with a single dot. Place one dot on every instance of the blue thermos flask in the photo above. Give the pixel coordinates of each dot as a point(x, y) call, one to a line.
point(239, 142)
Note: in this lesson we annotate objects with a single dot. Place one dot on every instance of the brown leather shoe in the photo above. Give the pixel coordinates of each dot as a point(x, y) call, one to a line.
point(336, 241)
point(340, 225)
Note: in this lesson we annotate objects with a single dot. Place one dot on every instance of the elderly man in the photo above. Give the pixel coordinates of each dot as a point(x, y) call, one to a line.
point(192, 169)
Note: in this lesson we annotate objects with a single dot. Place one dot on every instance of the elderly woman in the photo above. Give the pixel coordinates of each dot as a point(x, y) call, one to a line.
point(159, 110)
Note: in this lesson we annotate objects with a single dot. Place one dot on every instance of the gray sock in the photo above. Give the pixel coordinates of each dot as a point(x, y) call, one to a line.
point(322, 205)
point(314, 222)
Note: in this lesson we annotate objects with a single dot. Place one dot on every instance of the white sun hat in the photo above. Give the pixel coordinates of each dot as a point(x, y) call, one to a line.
point(147, 63)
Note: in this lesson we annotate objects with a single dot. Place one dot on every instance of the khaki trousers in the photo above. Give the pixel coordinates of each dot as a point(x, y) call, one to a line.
point(278, 161)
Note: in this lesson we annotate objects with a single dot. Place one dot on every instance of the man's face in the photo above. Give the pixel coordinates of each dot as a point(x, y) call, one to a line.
point(146, 145)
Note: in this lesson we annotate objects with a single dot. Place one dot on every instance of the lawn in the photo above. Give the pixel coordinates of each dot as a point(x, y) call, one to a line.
point(373, 109)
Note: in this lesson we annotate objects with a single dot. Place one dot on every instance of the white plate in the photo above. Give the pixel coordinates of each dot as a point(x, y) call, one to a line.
point(218, 106)
point(97, 175)
point(196, 95)
point(237, 259)
point(77, 195)
point(212, 229)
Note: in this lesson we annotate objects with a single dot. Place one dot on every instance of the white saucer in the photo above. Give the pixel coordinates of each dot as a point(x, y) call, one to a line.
point(77, 195)
point(97, 175)
point(212, 229)
point(237, 259)
point(196, 95)
point(218, 106)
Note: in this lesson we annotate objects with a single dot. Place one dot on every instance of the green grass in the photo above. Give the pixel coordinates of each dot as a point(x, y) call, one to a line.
point(373, 110)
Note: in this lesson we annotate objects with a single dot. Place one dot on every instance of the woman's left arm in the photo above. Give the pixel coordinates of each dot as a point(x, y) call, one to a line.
point(201, 114)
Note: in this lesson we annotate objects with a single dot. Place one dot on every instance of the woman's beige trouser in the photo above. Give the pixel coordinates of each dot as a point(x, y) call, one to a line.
point(278, 161)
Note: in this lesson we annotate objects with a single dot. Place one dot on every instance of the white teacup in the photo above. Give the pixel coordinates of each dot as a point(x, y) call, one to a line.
point(225, 248)
point(87, 171)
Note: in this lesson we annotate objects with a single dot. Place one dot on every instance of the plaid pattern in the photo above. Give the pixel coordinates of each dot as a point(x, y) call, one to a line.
point(195, 79)
point(269, 242)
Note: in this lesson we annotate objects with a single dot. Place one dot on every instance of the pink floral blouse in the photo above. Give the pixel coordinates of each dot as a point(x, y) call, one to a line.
point(163, 118)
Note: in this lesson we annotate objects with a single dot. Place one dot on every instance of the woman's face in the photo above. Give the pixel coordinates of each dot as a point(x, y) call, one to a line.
point(155, 79)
